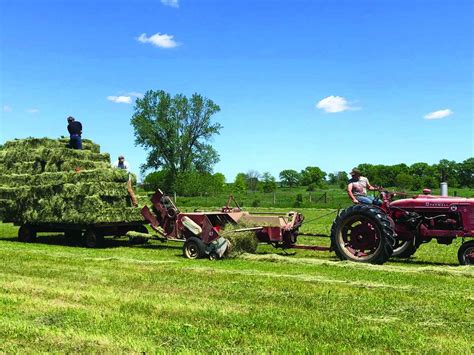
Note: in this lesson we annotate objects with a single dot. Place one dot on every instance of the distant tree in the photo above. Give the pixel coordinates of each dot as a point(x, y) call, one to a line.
point(428, 182)
point(289, 178)
point(342, 177)
point(447, 171)
point(175, 131)
point(404, 180)
point(219, 179)
point(312, 175)
point(194, 183)
point(252, 178)
point(268, 182)
point(158, 180)
point(240, 183)
point(466, 173)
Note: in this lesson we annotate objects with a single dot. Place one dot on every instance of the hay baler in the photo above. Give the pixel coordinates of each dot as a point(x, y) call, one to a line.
point(203, 232)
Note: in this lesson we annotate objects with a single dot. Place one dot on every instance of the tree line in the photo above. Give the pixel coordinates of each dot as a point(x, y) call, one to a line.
point(408, 177)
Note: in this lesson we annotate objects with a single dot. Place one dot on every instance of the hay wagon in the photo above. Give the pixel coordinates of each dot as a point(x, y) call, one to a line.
point(91, 234)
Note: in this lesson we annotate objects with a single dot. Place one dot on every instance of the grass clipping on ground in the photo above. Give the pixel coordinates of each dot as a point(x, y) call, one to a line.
point(42, 180)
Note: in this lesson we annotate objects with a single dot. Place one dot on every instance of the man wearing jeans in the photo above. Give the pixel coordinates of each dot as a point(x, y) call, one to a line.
point(75, 130)
point(357, 188)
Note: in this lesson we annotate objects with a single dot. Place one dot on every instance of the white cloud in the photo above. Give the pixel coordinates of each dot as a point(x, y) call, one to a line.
point(7, 108)
point(334, 104)
point(437, 115)
point(172, 3)
point(159, 40)
point(32, 110)
point(122, 99)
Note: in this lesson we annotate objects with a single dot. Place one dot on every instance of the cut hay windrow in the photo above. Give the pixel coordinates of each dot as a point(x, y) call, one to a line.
point(43, 181)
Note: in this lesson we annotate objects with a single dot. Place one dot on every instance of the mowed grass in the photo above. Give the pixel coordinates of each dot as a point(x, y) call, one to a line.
point(55, 296)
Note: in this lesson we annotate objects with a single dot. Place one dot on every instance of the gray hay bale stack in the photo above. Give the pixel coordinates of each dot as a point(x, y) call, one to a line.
point(42, 180)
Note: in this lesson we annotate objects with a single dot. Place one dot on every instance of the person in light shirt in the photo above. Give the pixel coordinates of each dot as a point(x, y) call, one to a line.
point(121, 163)
point(357, 188)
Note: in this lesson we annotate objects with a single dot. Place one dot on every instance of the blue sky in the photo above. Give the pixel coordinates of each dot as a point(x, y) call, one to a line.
point(300, 83)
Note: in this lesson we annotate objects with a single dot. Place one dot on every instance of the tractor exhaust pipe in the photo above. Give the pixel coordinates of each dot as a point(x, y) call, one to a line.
point(444, 189)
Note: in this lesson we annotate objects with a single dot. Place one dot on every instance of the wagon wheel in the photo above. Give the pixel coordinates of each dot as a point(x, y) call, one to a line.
point(466, 253)
point(93, 238)
point(362, 233)
point(73, 235)
point(194, 248)
point(26, 234)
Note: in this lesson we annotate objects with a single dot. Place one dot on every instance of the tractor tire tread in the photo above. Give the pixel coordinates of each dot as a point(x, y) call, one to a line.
point(388, 234)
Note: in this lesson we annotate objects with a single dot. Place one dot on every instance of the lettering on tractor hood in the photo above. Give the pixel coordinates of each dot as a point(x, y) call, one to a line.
point(436, 204)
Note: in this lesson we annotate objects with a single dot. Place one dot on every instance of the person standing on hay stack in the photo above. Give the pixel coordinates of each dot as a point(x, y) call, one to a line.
point(121, 163)
point(357, 189)
point(75, 130)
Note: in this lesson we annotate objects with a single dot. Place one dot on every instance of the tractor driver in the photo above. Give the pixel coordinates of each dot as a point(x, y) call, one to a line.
point(357, 189)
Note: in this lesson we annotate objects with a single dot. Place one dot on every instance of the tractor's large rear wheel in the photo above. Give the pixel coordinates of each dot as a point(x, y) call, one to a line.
point(363, 233)
point(466, 253)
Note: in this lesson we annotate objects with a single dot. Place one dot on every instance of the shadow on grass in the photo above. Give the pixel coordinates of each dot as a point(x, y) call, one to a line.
point(108, 243)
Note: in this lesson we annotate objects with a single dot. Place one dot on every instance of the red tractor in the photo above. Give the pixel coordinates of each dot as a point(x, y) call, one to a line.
point(370, 233)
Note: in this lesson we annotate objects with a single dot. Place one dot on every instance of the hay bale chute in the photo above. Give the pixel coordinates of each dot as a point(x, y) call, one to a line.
point(42, 180)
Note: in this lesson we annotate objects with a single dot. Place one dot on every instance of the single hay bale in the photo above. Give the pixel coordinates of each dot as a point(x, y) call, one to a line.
point(241, 242)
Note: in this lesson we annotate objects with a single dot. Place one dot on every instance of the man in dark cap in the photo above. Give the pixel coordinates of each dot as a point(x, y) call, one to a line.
point(121, 163)
point(357, 188)
point(75, 130)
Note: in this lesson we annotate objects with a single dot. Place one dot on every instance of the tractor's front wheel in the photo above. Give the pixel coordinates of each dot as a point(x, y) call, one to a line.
point(466, 253)
point(363, 233)
point(194, 248)
point(404, 248)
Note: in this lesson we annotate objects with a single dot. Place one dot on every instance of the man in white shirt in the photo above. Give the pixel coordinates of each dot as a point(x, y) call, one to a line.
point(121, 163)
point(357, 188)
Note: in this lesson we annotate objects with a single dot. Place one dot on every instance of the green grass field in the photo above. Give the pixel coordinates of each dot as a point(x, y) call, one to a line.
point(55, 296)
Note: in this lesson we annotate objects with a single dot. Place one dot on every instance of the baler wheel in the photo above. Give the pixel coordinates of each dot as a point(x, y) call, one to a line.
point(404, 248)
point(466, 253)
point(363, 233)
point(194, 248)
point(26, 234)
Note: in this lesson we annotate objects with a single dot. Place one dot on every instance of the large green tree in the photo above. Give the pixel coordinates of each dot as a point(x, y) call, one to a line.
point(312, 175)
point(176, 131)
point(289, 177)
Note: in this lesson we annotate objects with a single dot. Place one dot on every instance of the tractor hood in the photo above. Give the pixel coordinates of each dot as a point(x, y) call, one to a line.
point(433, 202)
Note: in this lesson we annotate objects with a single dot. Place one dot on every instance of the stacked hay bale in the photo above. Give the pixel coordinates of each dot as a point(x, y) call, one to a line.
point(44, 181)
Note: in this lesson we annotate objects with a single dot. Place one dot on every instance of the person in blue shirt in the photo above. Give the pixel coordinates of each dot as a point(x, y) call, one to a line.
point(75, 131)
